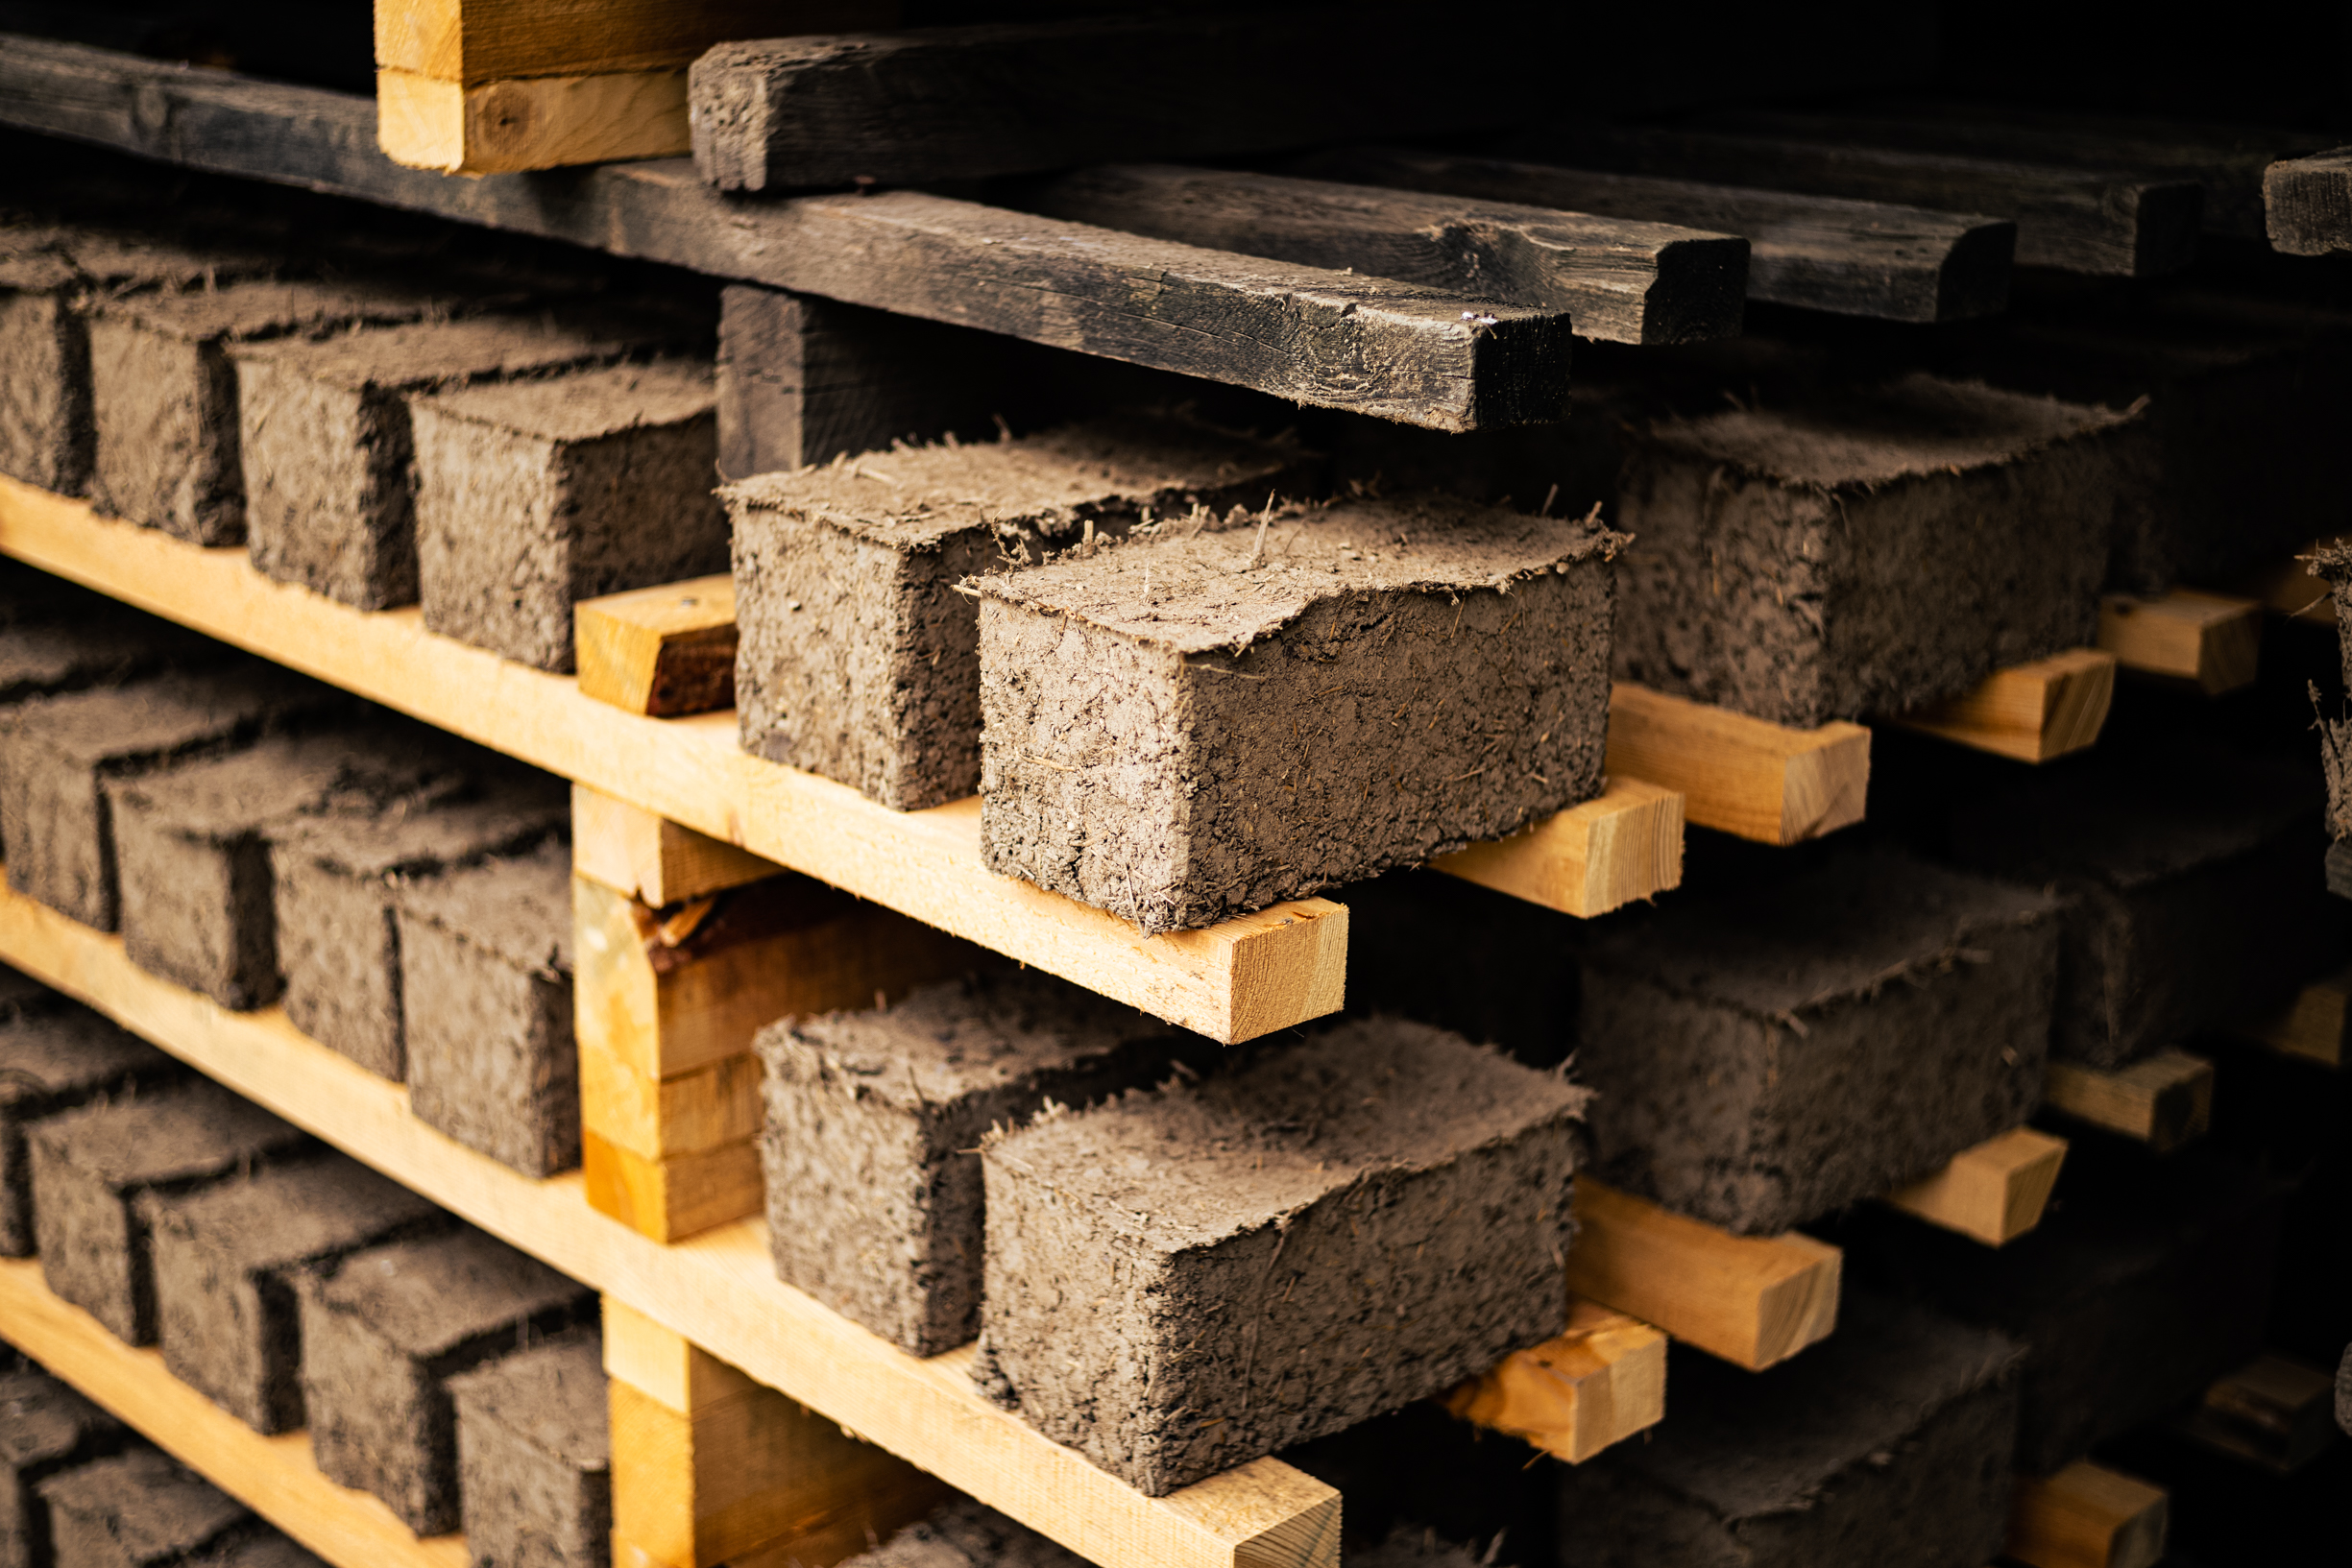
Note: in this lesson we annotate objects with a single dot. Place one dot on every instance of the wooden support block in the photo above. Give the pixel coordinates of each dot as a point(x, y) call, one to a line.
point(2190, 636)
point(2306, 202)
point(1752, 1300)
point(2031, 712)
point(1737, 774)
point(2276, 1413)
point(1622, 845)
point(674, 1197)
point(663, 651)
point(2086, 1517)
point(1597, 1382)
point(710, 1466)
point(533, 123)
point(1995, 1192)
point(651, 859)
point(2163, 1101)
point(2310, 1026)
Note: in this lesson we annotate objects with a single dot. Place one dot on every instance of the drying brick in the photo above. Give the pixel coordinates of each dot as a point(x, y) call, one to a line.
point(45, 1428)
point(535, 1456)
point(966, 1535)
point(140, 1510)
point(53, 1058)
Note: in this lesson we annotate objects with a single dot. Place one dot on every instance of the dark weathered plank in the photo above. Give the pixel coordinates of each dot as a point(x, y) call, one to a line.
point(2308, 203)
point(2080, 219)
point(1824, 252)
point(1620, 280)
point(1366, 344)
point(953, 103)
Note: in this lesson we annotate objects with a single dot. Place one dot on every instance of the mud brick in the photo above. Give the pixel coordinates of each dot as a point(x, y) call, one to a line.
point(1187, 726)
point(535, 1456)
point(1861, 552)
point(966, 1535)
point(2194, 880)
point(164, 394)
point(45, 1428)
point(1764, 1054)
point(59, 637)
point(54, 1057)
point(531, 495)
point(486, 1000)
point(21, 994)
point(874, 1195)
point(266, 1550)
point(382, 1337)
point(324, 438)
point(1183, 1281)
point(336, 881)
point(139, 1509)
point(859, 660)
point(225, 1260)
point(59, 753)
point(1888, 1442)
point(1408, 1548)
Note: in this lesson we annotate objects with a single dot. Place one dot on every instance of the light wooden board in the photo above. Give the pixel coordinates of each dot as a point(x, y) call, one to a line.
point(2310, 1026)
point(1597, 1382)
point(272, 1476)
point(1752, 1300)
point(2164, 1100)
point(2087, 1516)
point(1232, 981)
point(1737, 774)
point(1995, 1192)
point(718, 1290)
point(482, 40)
point(2031, 712)
point(665, 651)
point(541, 122)
point(631, 851)
point(2190, 636)
point(1624, 845)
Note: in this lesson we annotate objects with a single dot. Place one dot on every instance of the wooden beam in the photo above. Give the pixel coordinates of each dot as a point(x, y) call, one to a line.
point(1822, 252)
point(2189, 635)
point(2086, 1517)
point(664, 651)
point(2313, 1025)
point(1994, 1193)
point(651, 858)
point(2030, 713)
point(2163, 1101)
point(2272, 1412)
point(1301, 334)
point(1741, 775)
point(541, 122)
point(720, 1292)
point(1752, 1300)
point(1597, 1382)
point(272, 1476)
point(1232, 981)
point(674, 1197)
point(2306, 202)
point(1620, 280)
point(1624, 845)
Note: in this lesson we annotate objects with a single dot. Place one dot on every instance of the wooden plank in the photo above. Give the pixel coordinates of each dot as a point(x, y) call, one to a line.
point(2089, 220)
point(2311, 1026)
point(674, 1197)
point(2306, 202)
point(1822, 252)
point(1620, 280)
point(1623, 845)
point(630, 850)
point(272, 1476)
point(1737, 774)
point(718, 1290)
point(665, 651)
point(710, 1108)
point(1597, 1382)
point(2190, 636)
point(2272, 1412)
point(2164, 1101)
point(1752, 1300)
point(541, 122)
point(1303, 333)
point(2030, 713)
point(1994, 1193)
point(2086, 1517)
point(473, 42)
point(1232, 981)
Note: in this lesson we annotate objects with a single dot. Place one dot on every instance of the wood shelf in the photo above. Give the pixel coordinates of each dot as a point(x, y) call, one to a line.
point(718, 1290)
point(2028, 713)
point(272, 1476)
point(2163, 1101)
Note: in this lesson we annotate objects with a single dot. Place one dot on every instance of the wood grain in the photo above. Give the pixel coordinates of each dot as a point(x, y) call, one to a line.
point(674, 1196)
point(1738, 774)
point(2311, 1026)
point(2164, 1100)
point(1993, 1193)
point(664, 651)
point(2209, 638)
point(1623, 845)
point(2030, 713)
point(472, 41)
point(631, 851)
point(2306, 202)
point(1596, 1383)
point(541, 122)
point(2087, 1516)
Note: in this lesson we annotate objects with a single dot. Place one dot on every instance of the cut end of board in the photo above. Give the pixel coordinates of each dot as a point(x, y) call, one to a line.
point(2208, 640)
point(670, 1200)
point(1622, 846)
point(631, 851)
point(2163, 1101)
point(1597, 1382)
point(1738, 774)
point(533, 123)
point(1993, 1193)
point(2087, 1516)
point(2028, 713)
point(662, 651)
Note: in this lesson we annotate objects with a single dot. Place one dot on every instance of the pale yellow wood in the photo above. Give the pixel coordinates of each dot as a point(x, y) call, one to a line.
point(631, 851)
point(1622, 846)
point(2164, 1100)
point(657, 1117)
point(1995, 1192)
point(2086, 1517)
point(666, 650)
point(719, 1290)
point(2191, 635)
point(675, 1197)
point(1752, 1300)
point(541, 122)
point(2030, 713)
point(1241, 978)
point(663, 1364)
point(2311, 1026)
point(1597, 1382)
point(272, 1476)
point(480, 41)
point(1737, 774)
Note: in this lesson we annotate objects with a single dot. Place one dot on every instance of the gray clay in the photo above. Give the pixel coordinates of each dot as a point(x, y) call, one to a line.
point(76, 640)
point(966, 1535)
point(52, 1060)
point(535, 1456)
point(140, 1510)
point(1406, 1547)
point(45, 1428)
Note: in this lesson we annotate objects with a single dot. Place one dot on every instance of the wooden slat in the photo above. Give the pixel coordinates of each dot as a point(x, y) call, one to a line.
point(1822, 253)
point(665, 651)
point(2163, 1101)
point(2311, 1026)
point(482, 40)
point(1232, 981)
point(1597, 1382)
point(1752, 1300)
point(1994, 1193)
point(2086, 1517)
point(2205, 638)
point(2306, 202)
point(272, 1476)
point(1741, 775)
point(2031, 712)
point(718, 1290)
point(672, 1197)
point(1623, 845)
point(542, 122)
point(631, 851)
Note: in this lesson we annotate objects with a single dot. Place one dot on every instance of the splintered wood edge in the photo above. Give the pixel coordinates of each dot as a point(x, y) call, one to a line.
point(513, 126)
point(272, 1476)
point(1594, 1384)
point(1739, 774)
point(2028, 713)
point(1993, 1193)
point(2163, 1101)
point(1622, 846)
point(2087, 1514)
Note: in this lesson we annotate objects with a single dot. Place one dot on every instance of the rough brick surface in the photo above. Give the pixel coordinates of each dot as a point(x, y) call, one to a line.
point(53, 1058)
point(55, 637)
point(535, 1456)
point(966, 1535)
point(141, 1510)
point(45, 1428)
